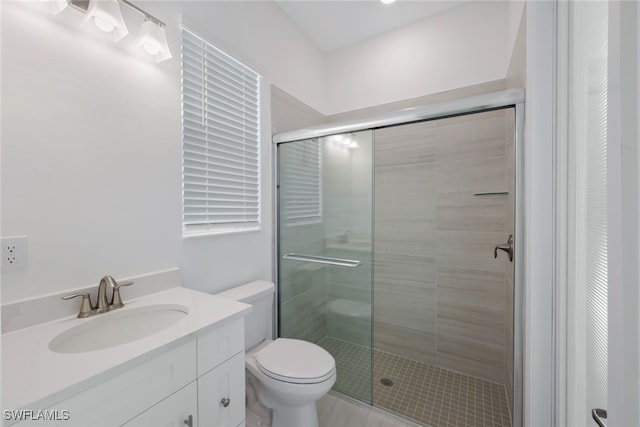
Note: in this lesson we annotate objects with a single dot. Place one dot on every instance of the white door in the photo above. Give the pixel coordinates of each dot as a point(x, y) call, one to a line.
point(603, 331)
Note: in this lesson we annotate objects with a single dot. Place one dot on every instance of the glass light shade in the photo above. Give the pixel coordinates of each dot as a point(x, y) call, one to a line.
point(57, 6)
point(152, 41)
point(103, 25)
point(106, 15)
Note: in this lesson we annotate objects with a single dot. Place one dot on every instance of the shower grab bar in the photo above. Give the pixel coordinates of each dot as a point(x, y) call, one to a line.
point(351, 263)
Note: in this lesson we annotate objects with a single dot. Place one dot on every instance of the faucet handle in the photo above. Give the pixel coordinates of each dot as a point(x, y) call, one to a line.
point(116, 300)
point(118, 284)
point(85, 305)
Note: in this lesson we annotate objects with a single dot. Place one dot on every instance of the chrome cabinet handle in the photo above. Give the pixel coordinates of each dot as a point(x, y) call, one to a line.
point(189, 421)
point(85, 305)
point(598, 415)
point(225, 401)
point(507, 247)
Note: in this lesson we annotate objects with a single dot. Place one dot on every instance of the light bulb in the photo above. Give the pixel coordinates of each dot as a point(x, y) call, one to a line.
point(151, 50)
point(103, 25)
point(56, 6)
point(152, 41)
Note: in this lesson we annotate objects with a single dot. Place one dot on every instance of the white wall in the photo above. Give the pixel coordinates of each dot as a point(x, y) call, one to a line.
point(91, 133)
point(91, 163)
point(464, 46)
point(540, 229)
point(261, 35)
point(515, 10)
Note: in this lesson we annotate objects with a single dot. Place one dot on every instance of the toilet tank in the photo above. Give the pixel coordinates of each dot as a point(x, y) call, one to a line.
point(258, 324)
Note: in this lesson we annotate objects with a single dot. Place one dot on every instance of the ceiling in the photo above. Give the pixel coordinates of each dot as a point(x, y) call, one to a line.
point(332, 24)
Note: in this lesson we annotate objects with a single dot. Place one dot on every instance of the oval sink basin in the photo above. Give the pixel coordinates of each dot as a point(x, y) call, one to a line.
point(117, 328)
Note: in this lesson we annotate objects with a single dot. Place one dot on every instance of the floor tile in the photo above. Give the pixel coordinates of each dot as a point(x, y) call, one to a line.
point(422, 393)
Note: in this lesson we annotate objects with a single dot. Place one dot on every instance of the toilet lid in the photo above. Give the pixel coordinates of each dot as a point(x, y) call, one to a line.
point(295, 361)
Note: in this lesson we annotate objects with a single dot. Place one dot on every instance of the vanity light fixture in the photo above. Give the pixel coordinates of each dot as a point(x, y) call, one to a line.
point(152, 40)
point(106, 15)
point(57, 6)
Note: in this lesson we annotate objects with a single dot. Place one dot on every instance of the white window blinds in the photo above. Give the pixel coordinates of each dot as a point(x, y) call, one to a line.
point(588, 264)
point(302, 181)
point(220, 140)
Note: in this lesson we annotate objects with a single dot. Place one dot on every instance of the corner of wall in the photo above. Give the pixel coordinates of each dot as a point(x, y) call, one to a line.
point(516, 73)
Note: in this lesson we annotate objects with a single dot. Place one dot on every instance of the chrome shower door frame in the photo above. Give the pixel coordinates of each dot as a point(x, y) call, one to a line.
point(511, 98)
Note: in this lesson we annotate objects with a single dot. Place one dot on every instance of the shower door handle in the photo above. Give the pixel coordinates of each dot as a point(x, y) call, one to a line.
point(507, 247)
point(323, 260)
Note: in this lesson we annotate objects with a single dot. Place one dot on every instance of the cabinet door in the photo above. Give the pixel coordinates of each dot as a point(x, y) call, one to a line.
point(220, 344)
point(219, 387)
point(174, 411)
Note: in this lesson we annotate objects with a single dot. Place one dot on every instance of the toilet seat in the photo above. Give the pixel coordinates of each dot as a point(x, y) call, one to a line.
point(295, 361)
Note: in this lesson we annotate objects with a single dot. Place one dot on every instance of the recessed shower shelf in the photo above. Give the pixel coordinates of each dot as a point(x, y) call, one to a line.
point(498, 193)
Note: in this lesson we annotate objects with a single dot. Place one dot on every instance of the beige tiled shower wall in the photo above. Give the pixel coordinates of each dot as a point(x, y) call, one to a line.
point(439, 295)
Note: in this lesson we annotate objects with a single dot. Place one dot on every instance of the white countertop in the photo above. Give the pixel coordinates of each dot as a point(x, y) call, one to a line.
point(34, 377)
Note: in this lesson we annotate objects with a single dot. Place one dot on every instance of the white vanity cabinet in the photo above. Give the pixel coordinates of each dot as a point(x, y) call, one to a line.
point(177, 410)
point(221, 395)
point(203, 377)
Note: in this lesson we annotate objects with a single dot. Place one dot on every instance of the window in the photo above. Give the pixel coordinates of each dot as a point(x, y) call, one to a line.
point(220, 141)
point(301, 163)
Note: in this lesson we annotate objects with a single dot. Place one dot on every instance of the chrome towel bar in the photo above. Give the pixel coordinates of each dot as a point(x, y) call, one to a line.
point(323, 260)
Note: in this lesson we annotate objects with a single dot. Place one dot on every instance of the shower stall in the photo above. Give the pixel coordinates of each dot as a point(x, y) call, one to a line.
point(396, 254)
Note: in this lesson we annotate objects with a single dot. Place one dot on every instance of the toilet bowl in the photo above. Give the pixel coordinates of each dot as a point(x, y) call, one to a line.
point(290, 375)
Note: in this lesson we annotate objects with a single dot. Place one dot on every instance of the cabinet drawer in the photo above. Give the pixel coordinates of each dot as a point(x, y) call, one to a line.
point(226, 382)
point(220, 344)
point(122, 397)
point(174, 411)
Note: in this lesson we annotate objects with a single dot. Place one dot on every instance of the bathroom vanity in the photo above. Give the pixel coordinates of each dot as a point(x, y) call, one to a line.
point(191, 373)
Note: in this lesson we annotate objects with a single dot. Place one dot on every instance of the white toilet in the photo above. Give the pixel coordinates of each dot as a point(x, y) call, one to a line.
point(291, 375)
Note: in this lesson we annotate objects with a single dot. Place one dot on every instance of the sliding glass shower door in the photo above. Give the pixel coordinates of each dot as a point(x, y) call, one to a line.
point(325, 199)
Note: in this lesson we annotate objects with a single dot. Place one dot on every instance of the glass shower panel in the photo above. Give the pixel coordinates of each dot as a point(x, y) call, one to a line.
point(325, 200)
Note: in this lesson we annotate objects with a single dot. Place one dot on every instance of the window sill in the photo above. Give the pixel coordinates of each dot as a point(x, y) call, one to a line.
point(187, 235)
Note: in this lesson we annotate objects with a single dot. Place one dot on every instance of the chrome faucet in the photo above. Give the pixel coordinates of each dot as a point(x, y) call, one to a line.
point(103, 305)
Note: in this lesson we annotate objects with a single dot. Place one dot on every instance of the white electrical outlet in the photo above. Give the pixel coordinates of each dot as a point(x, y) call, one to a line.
point(14, 253)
